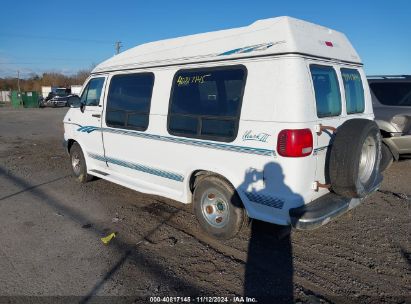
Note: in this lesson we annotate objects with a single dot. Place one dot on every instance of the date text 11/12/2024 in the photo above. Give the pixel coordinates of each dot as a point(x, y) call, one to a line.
point(236, 299)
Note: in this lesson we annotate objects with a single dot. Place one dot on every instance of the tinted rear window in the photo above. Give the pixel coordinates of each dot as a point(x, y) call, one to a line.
point(205, 103)
point(354, 91)
point(392, 93)
point(128, 101)
point(327, 91)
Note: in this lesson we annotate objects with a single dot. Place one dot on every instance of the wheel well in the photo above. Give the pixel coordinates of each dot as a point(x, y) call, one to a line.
point(198, 173)
point(195, 175)
point(385, 134)
point(70, 143)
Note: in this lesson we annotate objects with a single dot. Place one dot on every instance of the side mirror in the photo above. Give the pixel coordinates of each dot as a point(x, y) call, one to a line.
point(74, 101)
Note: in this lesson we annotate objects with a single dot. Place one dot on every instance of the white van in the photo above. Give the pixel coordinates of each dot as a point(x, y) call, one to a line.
point(272, 121)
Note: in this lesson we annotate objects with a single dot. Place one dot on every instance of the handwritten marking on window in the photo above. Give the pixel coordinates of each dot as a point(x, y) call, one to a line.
point(197, 79)
point(348, 77)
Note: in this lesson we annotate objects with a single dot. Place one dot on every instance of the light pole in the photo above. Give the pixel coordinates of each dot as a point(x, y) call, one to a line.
point(18, 80)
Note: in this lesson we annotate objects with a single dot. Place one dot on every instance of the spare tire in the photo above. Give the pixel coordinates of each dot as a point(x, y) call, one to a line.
point(354, 158)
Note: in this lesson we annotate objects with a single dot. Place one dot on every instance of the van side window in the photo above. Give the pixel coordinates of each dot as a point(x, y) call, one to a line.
point(327, 90)
point(128, 101)
point(92, 92)
point(206, 103)
point(354, 91)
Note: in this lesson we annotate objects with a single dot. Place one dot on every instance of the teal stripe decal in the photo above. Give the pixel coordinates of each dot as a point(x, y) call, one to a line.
point(198, 143)
point(265, 200)
point(165, 174)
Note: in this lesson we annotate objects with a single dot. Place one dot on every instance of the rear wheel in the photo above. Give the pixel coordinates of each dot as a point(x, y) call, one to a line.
point(218, 207)
point(78, 164)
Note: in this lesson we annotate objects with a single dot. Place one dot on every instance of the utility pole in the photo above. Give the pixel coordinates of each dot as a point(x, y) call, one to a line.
point(18, 80)
point(118, 46)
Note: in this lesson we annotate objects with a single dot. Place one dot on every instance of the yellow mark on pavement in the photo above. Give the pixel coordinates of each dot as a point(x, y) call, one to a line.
point(108, 238)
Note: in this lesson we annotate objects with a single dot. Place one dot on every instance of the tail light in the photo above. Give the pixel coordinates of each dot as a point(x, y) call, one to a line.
point(295, 143)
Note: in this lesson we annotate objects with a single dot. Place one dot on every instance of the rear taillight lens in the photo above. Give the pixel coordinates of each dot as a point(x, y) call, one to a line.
point(295, 143)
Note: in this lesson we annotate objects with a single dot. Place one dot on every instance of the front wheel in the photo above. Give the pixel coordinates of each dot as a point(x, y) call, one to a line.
point(218, 207)
point(78, 164)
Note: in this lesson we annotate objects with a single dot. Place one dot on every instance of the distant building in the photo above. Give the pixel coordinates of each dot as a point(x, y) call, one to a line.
point(5, 96)
point(45, 90)
point(76, 89)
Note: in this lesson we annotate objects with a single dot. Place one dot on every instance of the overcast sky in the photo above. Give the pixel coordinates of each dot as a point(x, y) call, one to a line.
point(39, 36)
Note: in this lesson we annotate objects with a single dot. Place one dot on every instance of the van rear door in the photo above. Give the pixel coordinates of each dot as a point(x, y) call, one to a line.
point(340, 95)
point(329, 107)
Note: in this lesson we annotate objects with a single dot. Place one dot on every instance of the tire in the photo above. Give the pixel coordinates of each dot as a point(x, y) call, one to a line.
point(218, 207)
point(354, 158)
point(386, 158)
point(78, 164)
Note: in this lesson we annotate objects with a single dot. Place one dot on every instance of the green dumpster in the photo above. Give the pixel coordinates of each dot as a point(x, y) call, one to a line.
point(30, 99)
point(16, 100)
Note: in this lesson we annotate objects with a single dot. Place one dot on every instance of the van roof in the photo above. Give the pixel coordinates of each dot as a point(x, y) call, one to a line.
point(274, 36)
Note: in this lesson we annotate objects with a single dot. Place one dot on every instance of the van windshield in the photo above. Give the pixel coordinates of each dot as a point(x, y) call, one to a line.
point(392, 93)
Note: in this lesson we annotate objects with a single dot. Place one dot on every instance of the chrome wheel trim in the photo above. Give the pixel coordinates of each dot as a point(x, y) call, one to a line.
point(214, 208)
point(367, 159)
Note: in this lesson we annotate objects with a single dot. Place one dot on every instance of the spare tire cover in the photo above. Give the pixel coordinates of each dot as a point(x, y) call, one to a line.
point(354, 158)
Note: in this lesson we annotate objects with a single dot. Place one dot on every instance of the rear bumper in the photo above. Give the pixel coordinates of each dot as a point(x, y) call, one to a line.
point(322, 210)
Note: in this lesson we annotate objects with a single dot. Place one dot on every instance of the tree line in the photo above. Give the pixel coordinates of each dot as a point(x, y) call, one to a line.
point(34, 82)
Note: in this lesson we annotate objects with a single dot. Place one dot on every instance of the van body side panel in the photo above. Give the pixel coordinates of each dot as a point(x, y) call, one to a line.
point(156, 162)
point(278, 95)
point(278, 74)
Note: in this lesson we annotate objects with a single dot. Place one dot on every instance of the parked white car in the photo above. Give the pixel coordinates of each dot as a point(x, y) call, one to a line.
point(272, 121)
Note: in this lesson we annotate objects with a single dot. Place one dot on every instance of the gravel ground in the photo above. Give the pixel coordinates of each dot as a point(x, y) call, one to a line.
point(50, 230)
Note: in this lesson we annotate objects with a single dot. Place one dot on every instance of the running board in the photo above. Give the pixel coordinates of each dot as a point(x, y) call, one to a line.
point(99, 172)
point(137, 184)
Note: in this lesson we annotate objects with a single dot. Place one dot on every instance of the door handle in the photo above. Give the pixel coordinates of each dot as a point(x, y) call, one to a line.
point(96, 115)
